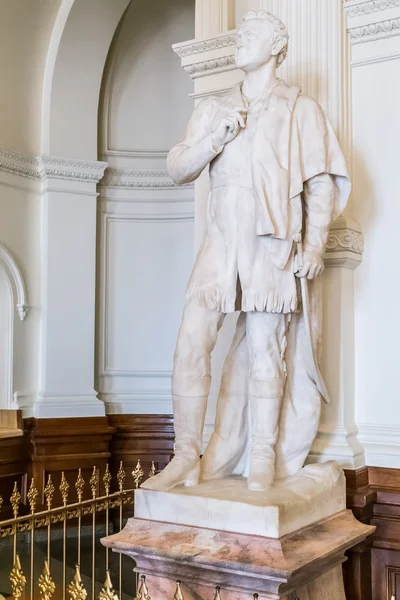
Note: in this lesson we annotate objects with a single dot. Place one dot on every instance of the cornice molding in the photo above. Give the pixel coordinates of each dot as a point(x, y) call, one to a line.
point(203, 68)
point(45, 167)
point(366, 7)
point(139, 180)
point(193, 47)
point(56, 167)
point(375, 31)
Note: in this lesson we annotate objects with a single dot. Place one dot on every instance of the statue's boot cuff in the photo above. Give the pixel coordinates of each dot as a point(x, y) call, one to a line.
point(184, 468)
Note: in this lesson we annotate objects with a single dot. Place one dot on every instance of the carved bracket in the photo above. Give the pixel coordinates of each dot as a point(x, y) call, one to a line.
point(345, 244)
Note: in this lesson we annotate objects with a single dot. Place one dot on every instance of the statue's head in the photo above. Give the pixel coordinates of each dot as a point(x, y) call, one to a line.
point(261, 37)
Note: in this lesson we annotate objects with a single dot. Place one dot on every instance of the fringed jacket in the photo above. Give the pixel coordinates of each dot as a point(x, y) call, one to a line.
point(281, 180)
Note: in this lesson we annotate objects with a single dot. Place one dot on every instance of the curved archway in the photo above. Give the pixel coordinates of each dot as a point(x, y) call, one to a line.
point(78, 49)
point(12, 295)
point(16, 281)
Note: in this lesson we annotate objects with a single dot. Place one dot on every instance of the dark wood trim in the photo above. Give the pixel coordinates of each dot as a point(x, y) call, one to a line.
point(149, 438)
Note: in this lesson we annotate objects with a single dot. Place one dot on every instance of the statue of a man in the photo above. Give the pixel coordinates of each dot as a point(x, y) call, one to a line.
point(278, 180)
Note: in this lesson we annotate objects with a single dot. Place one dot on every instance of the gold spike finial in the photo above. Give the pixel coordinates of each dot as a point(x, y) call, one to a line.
point(121, 476)
point(64, 487)
point(49, 492)
point(76, 590)
point(152, 471)
point(15, 500)
point(17, 579)
point(79, 485)
point(107, 480)
point(94, 482)
point(45, 583)
point(178, 592)
point(217, 593)
point(137, 474)
point(32, 496)
point(143, 592)
point(108, 593)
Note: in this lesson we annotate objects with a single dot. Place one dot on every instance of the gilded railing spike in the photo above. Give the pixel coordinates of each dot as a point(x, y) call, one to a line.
point(49, 492)
point(76, 590)
point(79, 485)
point(137, 474)
point(64, 488)
point(152, 471)
point(143, 592)
point(1, 502)
point(94, 482)
point(15, 500)
point(108, 593)
point(32, 496)
point(45, 583)
point(107, 480)
point(121, 476)
point(217, 593)
point(17, 579)
point(178, 592)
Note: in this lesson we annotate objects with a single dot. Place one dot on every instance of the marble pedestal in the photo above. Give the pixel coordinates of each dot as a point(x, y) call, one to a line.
point(287, 544)
point(304, 565)
point(317, 492)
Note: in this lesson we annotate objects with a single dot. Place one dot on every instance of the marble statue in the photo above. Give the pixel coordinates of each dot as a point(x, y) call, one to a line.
point(278, 180)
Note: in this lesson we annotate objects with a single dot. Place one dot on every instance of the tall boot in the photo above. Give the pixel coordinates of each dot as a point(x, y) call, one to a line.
point(184, 468)
point(264, 415)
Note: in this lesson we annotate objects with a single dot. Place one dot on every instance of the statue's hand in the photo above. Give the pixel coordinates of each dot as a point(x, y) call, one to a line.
point(226, 128)
point(313, 265)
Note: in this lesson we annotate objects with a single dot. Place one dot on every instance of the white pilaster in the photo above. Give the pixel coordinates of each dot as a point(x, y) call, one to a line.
point(214, 17)
point(68, 223)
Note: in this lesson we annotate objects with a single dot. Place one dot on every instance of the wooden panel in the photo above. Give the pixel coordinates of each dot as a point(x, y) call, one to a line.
point(58, 445)
point(14, 467)
point(145, 437)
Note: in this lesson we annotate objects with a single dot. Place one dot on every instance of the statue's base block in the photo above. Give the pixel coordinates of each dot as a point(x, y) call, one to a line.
point(305, 564)
point(316, 493)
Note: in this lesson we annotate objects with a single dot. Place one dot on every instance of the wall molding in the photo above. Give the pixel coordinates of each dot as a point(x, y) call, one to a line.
point(192, 47)
point(375, 31)
point(381, 443)
point(44, 167)
point(140, 180)
point(208, 57)
point(199, 69)
point(365, 7)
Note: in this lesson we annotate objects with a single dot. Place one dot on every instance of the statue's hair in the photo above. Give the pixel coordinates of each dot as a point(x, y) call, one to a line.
point(277, 28)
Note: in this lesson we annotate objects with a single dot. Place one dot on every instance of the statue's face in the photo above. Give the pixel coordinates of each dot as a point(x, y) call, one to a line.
point(253, 46)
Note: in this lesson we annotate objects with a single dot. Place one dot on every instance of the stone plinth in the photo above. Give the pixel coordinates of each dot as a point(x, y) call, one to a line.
point(305, 563)
point(317, 492)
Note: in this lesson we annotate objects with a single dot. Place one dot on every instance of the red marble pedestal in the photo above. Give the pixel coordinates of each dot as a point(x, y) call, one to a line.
point(304, 565)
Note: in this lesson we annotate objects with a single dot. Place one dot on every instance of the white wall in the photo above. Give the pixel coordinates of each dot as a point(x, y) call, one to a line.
point(145, 235)
point(25, 29)
point(376, 95)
